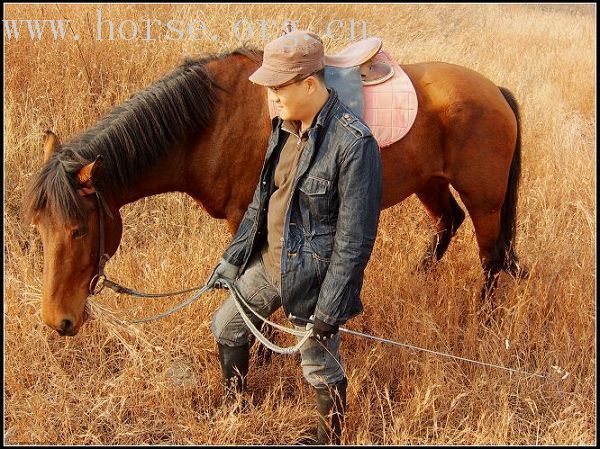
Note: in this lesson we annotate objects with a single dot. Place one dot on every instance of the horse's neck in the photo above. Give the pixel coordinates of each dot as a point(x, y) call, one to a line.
point(161, 177)
point(220, 166)
point(225, 163)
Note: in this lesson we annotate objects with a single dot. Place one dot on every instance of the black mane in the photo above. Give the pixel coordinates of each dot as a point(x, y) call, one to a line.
point(131, 136)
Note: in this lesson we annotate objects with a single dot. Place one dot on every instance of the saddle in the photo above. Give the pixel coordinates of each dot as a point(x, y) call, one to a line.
point(362, 54)
point(374, 87)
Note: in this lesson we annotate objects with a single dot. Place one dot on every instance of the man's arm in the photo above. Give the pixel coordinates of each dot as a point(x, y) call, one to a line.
point(236, 251)
point(360, 187)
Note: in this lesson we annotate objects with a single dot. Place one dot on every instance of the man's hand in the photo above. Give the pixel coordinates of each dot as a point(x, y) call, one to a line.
point(224, 270)
point(323, 331)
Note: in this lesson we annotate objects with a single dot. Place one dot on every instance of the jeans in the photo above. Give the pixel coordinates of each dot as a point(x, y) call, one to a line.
point(321, 362)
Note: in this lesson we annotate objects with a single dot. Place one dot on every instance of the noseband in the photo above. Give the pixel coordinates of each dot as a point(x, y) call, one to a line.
point(97, 282)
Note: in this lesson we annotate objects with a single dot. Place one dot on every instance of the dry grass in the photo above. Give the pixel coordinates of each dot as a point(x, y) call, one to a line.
point(158, 383)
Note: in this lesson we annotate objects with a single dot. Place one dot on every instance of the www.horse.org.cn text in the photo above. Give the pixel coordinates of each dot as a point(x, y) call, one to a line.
point(152, 30)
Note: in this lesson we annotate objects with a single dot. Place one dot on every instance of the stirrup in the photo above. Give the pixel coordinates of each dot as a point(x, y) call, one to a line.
point(375, 72)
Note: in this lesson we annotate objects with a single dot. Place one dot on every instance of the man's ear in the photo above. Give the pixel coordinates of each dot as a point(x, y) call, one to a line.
point(51, 144)
point(313, 84)
point(90, 172)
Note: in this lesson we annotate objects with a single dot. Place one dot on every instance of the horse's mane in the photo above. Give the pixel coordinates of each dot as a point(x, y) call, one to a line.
point(131, 136)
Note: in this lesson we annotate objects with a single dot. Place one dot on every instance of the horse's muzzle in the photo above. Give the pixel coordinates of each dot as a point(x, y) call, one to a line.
point(66, 329)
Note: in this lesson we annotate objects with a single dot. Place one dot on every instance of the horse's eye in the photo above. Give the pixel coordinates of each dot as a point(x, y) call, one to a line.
point(79, 232)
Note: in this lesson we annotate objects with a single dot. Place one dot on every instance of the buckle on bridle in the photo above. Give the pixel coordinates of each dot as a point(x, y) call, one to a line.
point(97, 284)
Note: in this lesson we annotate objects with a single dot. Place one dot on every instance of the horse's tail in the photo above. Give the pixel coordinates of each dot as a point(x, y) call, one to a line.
point(508, 214)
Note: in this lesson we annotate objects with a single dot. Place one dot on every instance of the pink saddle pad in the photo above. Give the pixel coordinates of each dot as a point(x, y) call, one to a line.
point(390, 108)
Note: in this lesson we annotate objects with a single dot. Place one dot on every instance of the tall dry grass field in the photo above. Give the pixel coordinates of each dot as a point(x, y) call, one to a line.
point(159, 383)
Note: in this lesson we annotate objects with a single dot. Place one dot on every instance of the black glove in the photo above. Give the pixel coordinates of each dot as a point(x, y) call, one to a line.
point(224, 270)
point(323, 331)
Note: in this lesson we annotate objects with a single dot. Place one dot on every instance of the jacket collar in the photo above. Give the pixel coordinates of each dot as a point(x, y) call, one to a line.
point(328, 108)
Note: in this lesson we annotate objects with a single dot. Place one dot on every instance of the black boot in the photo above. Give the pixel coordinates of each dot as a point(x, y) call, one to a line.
point(234, 365)
point(331, 402)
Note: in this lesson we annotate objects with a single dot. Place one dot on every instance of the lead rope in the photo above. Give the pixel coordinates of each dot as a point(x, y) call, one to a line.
point(306, 334)
point(101, 279)
point(174, 309)
point(303, 335)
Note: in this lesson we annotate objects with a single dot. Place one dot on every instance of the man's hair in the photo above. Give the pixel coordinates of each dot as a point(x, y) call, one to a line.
point(319, 75)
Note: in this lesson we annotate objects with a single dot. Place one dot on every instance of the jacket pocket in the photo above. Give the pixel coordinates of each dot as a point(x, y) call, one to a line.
point(312, 185)
point(314, 204)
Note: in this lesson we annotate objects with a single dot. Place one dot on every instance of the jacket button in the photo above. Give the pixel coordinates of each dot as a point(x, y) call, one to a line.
point(347, 116)
point(264, 183)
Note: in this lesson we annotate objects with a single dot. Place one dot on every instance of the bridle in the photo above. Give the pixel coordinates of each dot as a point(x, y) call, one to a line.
point(99, 280)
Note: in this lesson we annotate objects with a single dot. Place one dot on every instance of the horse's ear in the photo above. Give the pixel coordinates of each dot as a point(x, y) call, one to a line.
point(51, 144)
point(88, 173)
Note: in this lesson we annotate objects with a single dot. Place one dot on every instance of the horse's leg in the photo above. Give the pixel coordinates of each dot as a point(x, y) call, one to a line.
point(483, 161)
point(483, 196)
point(447, 215)
point(491, 249)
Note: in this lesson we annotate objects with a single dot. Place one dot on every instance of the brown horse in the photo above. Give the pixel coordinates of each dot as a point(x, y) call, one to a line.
point(203, 130)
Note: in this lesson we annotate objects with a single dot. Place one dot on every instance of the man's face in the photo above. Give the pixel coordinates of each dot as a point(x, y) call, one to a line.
point(291, 101)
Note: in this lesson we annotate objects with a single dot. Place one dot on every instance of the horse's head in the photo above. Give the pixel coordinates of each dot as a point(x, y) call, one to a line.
point(71, 245)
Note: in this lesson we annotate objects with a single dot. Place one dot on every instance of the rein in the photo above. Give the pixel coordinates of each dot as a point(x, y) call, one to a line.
point(100, 280)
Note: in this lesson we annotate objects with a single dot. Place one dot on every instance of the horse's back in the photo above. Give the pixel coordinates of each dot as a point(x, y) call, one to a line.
point(461, 102)
point(440, 85)
point(463, 124)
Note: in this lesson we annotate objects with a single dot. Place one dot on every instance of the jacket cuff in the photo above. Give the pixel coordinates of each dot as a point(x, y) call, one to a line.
point(326, 318)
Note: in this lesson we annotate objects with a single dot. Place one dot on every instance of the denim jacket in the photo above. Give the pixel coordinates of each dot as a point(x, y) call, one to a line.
point(331, 219)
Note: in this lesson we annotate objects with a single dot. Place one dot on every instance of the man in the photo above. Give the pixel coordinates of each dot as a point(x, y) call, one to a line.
point(308, 233)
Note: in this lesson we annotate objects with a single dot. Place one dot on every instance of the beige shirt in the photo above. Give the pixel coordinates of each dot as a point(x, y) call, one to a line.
point(285, 173)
